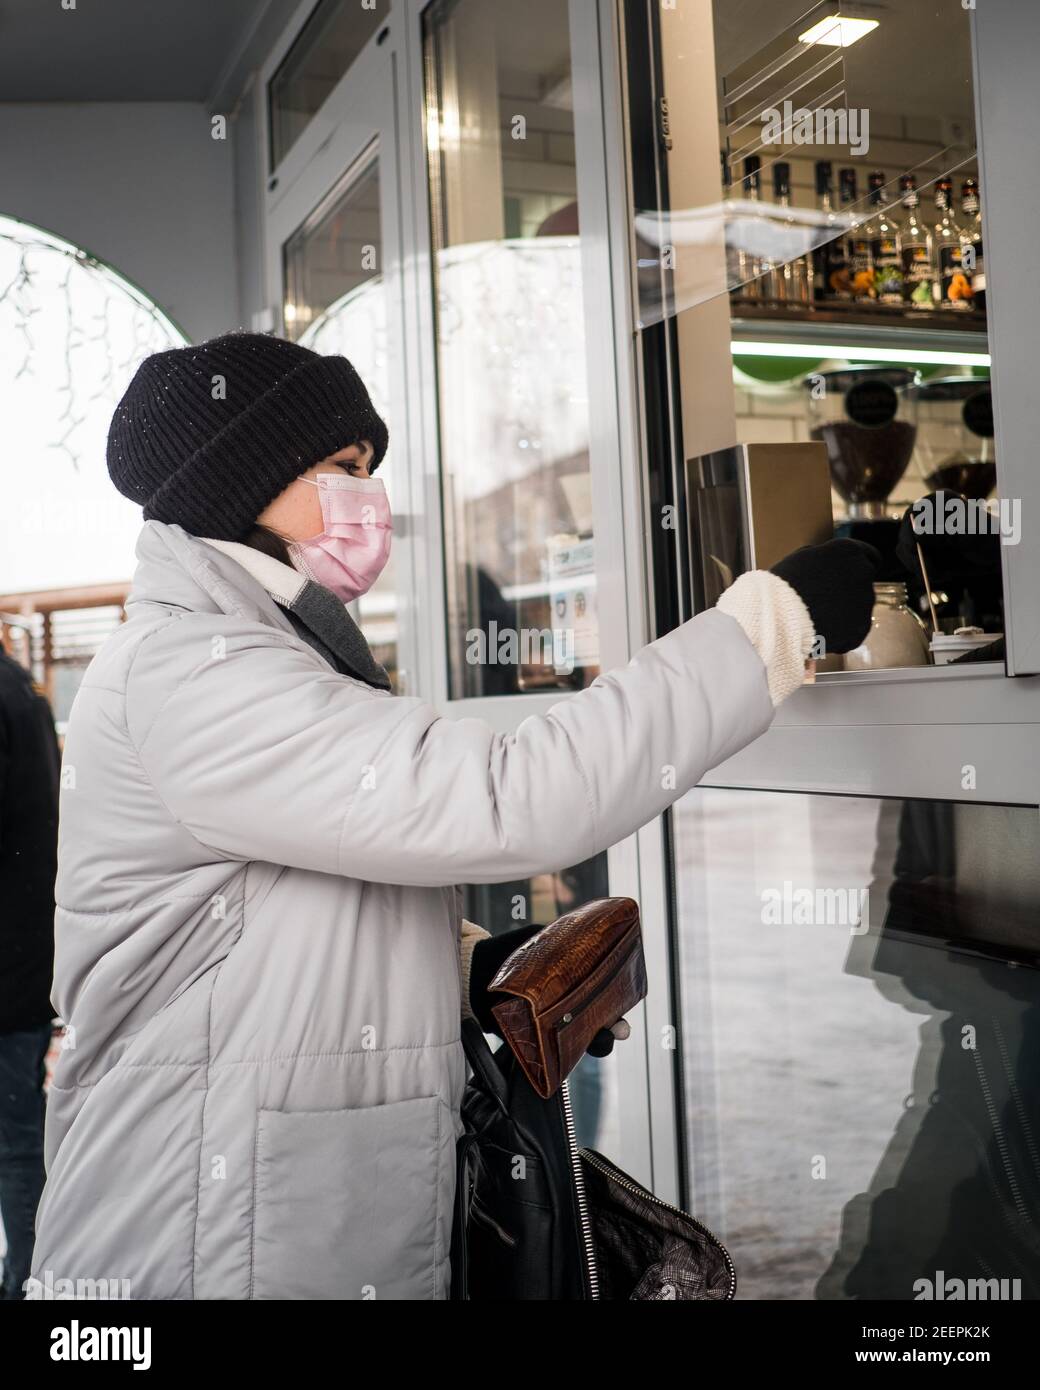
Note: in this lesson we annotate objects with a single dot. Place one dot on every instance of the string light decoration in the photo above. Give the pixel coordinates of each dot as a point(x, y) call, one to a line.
point(72, 333)
point(511, 360)
point(57, 295)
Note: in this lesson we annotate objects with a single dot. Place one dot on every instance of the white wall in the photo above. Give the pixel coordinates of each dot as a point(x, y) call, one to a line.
point(143, 186)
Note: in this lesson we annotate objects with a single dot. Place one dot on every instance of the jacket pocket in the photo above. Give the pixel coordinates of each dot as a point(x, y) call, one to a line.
point(347, 1203)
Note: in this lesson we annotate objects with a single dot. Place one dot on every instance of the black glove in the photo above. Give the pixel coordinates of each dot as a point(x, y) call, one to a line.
point(835, 581)
point(489, 954)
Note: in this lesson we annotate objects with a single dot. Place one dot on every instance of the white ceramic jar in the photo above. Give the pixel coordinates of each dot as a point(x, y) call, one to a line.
point(897, 637)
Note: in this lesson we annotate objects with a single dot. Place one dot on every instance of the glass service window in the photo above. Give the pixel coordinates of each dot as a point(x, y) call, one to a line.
point(860, 1017)
point(335, 303)
point(328, 43)
point(514, 430)
point(844, 229)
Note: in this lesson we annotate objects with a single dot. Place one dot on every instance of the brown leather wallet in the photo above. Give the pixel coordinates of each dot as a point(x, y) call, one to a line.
point(579, 974)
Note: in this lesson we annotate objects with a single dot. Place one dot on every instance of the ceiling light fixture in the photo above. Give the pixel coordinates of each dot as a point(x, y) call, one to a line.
point(837, 31)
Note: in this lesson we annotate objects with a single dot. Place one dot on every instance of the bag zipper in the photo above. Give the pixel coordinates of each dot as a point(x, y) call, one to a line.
point(605, 1166)
point(592, 1274)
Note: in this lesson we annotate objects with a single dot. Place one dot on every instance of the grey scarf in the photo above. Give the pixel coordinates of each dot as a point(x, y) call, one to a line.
point(321, 619)
point(316, 614)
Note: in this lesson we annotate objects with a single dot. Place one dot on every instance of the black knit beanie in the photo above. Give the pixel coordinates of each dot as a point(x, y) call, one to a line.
point(207, 436)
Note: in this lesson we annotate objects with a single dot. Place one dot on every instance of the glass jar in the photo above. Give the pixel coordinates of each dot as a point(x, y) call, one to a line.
point(868, 423)
point(897, 636)
point(955, 440)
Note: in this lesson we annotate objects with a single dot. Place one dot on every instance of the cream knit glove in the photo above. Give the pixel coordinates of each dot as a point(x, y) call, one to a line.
point(777, 624)
point(471, 934)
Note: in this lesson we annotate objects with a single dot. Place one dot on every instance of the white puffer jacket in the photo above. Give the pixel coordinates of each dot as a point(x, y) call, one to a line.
point(258, 930)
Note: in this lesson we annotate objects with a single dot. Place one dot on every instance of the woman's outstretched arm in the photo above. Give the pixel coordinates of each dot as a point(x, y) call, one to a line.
point(261, 755)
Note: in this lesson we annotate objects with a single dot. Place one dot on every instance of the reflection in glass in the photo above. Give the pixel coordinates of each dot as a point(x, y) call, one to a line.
point(821, 146)
point(335, 303)
point(337, 249)
point(845, 224)
point(500, 907)
point(860, 1027)
point(72, 334)
point(511, 360)
point(935, 433)
point(325, 47)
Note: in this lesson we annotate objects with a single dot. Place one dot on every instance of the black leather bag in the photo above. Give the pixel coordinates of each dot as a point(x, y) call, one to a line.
point(537, 1217)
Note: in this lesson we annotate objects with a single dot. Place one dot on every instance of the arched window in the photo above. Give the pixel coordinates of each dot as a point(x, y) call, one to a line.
point(72, 334)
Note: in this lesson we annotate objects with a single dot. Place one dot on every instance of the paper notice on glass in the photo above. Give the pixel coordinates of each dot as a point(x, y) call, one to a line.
point(572, 592)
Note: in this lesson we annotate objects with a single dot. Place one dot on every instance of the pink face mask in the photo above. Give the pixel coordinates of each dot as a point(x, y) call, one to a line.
point(348, 556)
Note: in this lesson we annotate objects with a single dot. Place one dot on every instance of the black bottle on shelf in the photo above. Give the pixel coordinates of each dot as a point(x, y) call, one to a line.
point(885, 231)
point(971, 252)
point(789, 282)
point(857, 241)
point(750, 268)
point(830, 267)
point(916, 251)
point(953, 285)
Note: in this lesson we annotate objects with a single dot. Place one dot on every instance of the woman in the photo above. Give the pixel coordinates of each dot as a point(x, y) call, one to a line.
point(258, 934)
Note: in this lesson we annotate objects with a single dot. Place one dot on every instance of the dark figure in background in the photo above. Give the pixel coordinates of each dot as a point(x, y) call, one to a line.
point(957, 1191)
point(966, 568)
point(29, 772)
